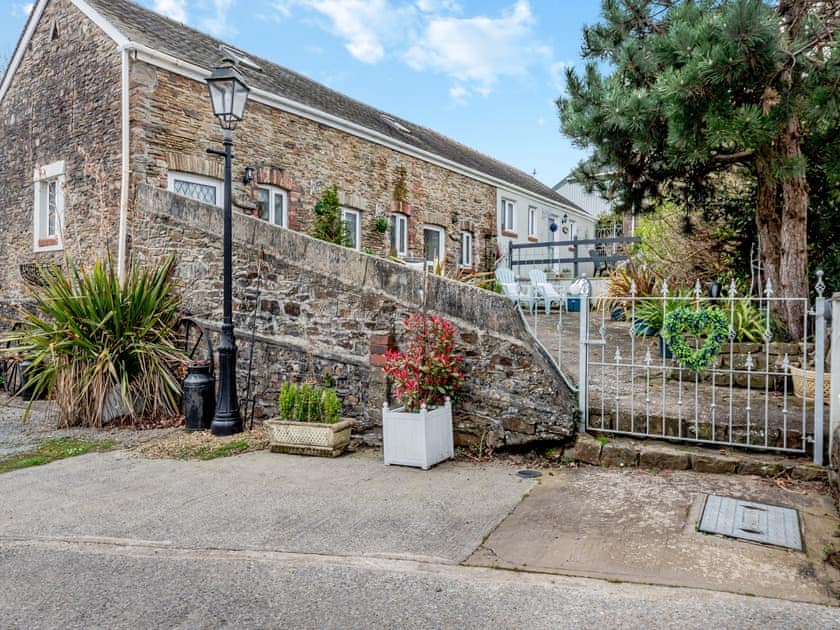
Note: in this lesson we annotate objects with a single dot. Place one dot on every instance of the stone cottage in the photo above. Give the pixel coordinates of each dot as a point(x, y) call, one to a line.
point(106, 122)
point(103, 95)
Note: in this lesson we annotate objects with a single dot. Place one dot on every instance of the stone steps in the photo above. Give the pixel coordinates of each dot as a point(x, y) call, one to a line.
point(652, 454)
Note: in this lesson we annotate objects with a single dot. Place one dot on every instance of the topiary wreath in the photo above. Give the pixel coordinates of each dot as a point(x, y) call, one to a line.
point(710, 321)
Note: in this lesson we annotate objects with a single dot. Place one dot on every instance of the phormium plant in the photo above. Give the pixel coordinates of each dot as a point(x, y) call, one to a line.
point(429, 371)
point(95, 343)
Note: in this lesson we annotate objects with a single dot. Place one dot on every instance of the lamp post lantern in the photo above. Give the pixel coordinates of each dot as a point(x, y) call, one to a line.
point(228, 94)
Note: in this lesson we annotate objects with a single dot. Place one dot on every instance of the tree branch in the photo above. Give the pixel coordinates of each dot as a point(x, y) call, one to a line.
point(734, 157)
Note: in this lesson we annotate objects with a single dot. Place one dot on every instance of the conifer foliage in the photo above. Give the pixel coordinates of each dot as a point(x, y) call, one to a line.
point(677, 91)
point(328, 225)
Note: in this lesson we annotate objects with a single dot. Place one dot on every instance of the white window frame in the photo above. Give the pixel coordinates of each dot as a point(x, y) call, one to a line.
point(43, 177)
point(508, 215)
point(192, 178)
point(442, 235)
point(532, 221)
point(358, 232)
point(466, 250)
point(273, 192)
point(399, 222)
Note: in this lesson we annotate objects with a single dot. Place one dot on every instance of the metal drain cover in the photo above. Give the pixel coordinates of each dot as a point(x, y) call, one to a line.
point(748, 520)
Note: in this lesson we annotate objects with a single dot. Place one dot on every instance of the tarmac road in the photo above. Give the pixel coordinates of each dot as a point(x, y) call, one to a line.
point(122, 584)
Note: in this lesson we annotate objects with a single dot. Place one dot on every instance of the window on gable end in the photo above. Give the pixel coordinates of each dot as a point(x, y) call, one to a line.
point(48, 209)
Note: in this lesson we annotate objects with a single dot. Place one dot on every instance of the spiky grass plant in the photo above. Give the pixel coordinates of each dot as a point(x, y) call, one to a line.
point(95, 344)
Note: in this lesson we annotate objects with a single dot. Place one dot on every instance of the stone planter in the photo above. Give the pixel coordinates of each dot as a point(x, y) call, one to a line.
point(308, 438)
point(804, 384)
point(421, 439)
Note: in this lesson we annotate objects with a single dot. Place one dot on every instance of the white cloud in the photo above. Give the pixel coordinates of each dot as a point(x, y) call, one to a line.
point(459, 94)
point(175, 9)
point(284, 7)
point(218, 24)
point(436, 6)
point(22, 9)
point(367, 26)
point(558, 74)
point(433, 35)
point(478, 50)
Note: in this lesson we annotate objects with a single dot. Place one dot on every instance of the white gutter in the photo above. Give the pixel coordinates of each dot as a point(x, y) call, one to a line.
point(125, 132)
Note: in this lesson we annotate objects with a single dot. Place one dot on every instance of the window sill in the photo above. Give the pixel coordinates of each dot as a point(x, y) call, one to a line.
point(47, 245)
point(510, 234)
point(533, 239)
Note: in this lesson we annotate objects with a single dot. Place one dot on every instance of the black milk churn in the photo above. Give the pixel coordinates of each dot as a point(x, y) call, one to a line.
point(26, 391)
point(199, 396)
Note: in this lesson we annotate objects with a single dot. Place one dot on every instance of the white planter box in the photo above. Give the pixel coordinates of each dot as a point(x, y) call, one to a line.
point(308, 438)
point(420, 439)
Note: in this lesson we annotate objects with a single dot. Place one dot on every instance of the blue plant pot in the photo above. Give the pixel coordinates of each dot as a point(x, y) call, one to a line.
point(643, 329)
point(573, 305)
point(664, 350)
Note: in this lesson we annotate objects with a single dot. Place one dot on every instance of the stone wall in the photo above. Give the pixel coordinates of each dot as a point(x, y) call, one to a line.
point(63, 104)
point(327, 308)
point(172, 126)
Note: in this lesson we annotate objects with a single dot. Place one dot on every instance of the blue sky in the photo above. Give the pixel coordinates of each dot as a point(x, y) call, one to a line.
point(485, 73)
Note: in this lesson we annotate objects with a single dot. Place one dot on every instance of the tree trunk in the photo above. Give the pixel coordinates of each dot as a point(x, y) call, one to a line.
point(768, 222)
point(793, 271)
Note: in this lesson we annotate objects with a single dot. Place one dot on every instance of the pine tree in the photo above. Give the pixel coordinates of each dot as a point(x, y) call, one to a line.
point(694, 88)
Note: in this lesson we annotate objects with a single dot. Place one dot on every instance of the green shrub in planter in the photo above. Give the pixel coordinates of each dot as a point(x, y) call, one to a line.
point(308, 403)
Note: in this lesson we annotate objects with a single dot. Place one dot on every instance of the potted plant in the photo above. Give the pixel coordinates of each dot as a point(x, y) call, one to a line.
point(309, 422)
point(382, 224)
point(427, 376)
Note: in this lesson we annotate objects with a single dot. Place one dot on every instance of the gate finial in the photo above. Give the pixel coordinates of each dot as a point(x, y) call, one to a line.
point(820, 287)
point(768, 292)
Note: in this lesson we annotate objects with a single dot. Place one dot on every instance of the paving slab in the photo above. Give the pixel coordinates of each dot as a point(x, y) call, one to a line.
point(351, 505)
point(637, 526)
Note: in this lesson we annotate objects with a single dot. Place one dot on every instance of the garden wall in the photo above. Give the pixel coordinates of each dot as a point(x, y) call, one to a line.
point(325, 308)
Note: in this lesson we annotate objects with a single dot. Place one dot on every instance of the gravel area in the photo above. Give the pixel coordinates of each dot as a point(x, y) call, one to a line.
point(17, 435)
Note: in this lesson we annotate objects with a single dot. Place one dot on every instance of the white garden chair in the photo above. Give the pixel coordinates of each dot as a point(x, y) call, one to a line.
point(544, 290)
point(512, 290)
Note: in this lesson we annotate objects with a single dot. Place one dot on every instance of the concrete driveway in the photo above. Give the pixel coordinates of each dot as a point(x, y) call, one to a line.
point(639, 526)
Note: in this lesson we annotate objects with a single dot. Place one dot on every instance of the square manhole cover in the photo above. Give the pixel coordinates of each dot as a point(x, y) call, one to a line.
point(748, 520)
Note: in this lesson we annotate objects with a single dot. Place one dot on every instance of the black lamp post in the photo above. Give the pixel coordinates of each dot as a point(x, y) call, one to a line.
point(228, 94)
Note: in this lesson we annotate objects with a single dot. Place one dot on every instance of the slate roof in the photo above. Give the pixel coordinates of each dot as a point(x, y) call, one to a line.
point(164, 35)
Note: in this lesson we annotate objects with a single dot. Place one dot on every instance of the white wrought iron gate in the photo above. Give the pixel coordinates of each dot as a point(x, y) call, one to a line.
point(746, 388)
